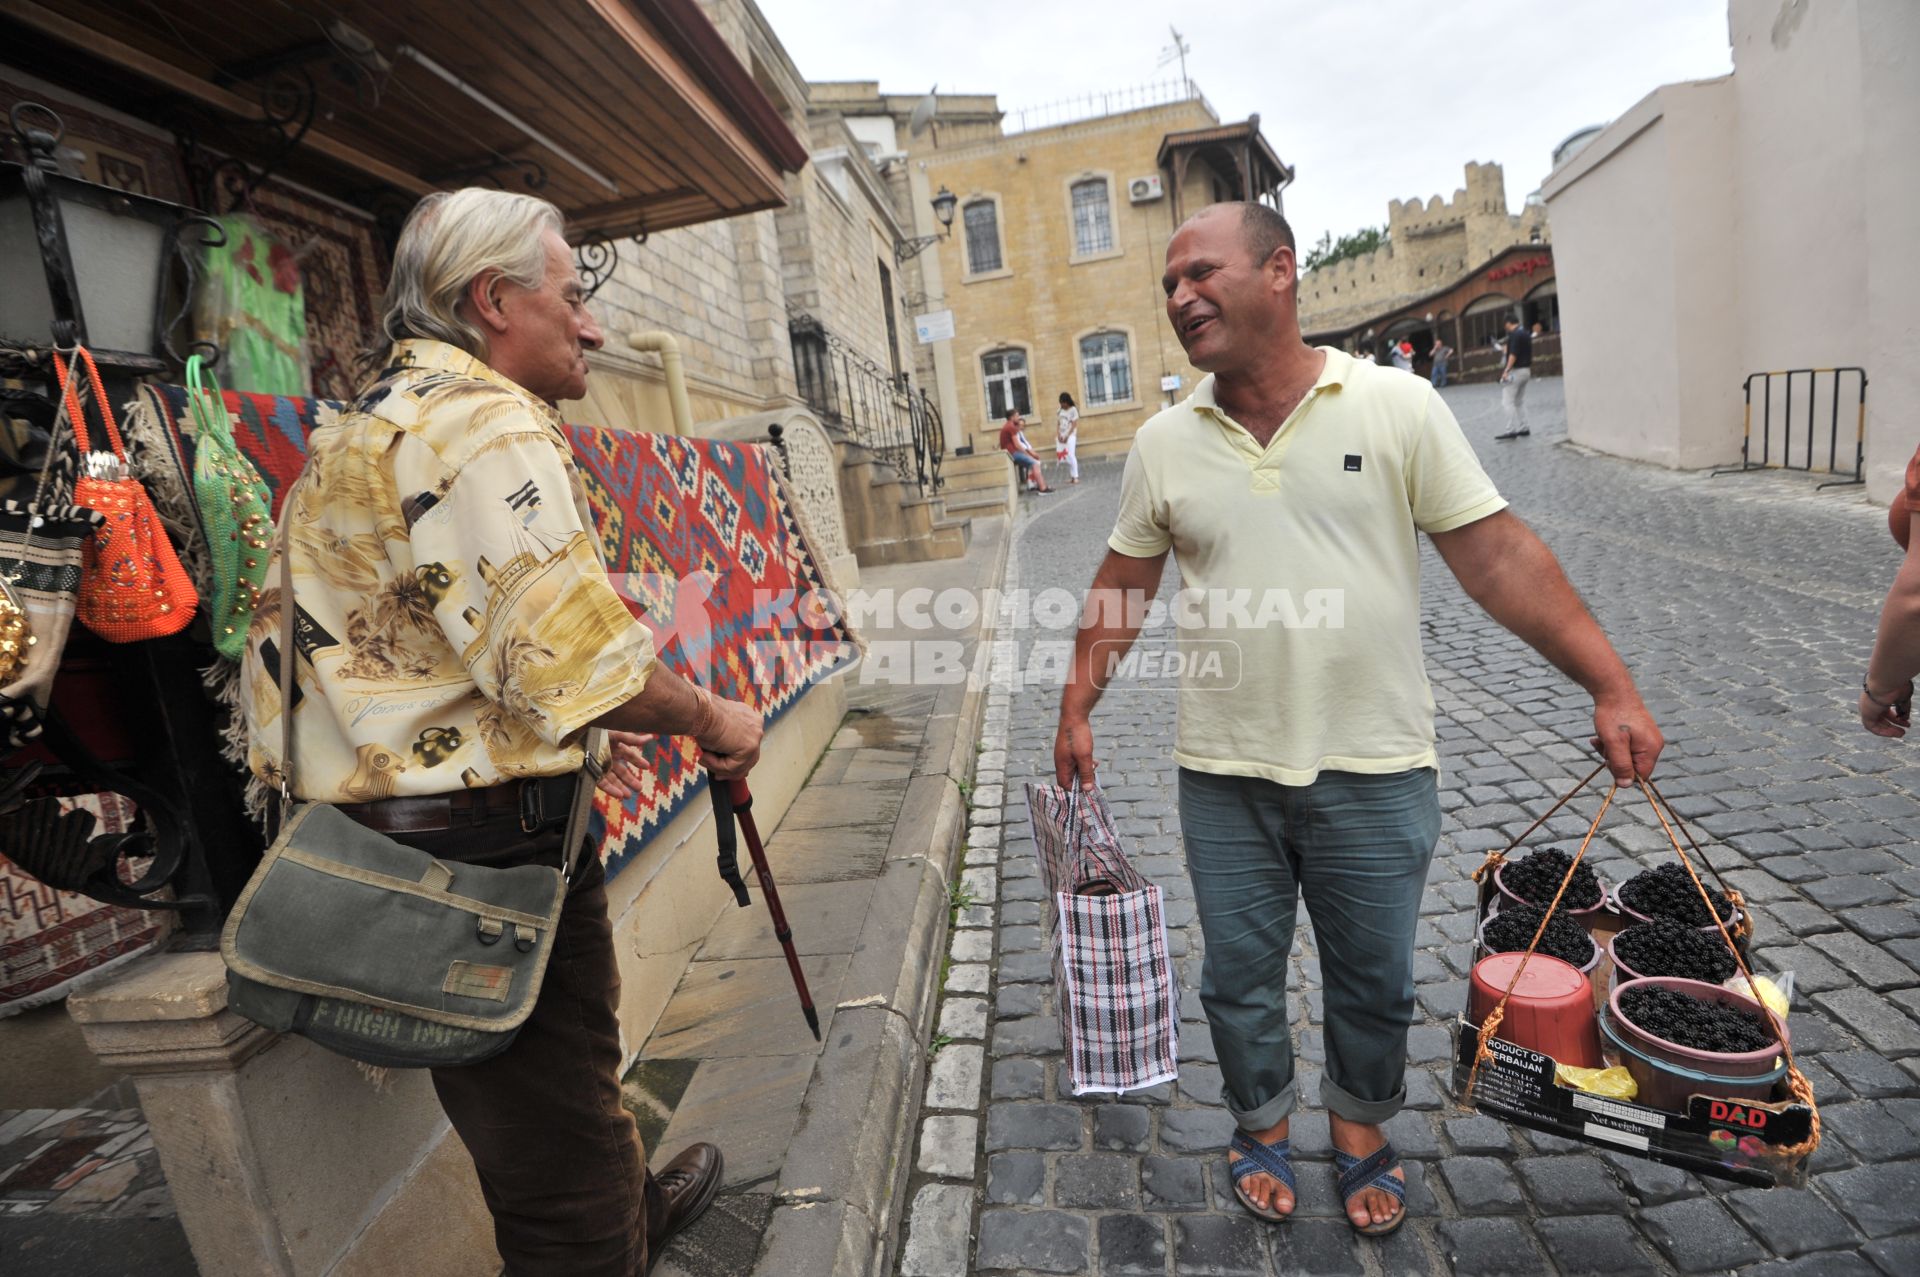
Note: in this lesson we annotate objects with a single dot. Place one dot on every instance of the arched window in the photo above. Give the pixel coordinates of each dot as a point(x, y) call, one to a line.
point(1106, 369)
point(1005, 375)
point(1092, 217)
point(1485, 322)
point(982, 219)
point(1543, 304)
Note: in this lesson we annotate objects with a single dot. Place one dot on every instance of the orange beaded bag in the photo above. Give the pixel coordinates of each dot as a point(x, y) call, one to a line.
point(132, 585)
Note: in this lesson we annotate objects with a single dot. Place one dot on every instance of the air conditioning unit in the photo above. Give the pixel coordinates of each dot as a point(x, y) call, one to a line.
point(1144, 190)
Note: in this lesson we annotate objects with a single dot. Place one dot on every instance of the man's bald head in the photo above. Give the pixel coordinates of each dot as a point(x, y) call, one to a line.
point(1263, 229)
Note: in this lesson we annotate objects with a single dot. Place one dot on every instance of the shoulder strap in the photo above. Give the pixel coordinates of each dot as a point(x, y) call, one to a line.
point(286, 656)
point(584, 783)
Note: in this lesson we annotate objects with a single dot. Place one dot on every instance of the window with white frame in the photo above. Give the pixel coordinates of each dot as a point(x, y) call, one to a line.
point(982, 219)
point(1005, 372)
point(1092, 217)
point(1106, 369)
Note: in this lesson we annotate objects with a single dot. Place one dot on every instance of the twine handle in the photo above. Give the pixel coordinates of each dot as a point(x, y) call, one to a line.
point(1745, 927)
point(1497, 858)
point(1796, 1080)
point(1491, 1025)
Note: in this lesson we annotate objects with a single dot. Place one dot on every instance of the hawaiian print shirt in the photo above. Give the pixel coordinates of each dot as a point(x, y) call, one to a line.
point(455, 624)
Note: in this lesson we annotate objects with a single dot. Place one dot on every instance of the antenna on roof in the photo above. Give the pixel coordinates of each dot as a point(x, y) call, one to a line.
point(923, 113)
point(1177, 51)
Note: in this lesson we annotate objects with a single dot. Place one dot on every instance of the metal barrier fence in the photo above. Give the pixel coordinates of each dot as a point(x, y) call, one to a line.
point(1804, 457)
point(885, 412)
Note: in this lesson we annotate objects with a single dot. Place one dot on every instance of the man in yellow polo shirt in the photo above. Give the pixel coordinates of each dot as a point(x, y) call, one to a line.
point(1291, 487)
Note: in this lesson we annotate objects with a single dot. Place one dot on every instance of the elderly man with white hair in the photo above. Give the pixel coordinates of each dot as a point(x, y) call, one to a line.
point(456, 638)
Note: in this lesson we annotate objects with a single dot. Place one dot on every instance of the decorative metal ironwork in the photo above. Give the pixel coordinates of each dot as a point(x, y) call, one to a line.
point(596, 257)
point(221, 182)
point(908, 249)
point(533, 174)
point(884, 413)
point(212, 235)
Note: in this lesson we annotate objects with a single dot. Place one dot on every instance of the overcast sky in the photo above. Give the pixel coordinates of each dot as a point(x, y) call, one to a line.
point(1369, 100)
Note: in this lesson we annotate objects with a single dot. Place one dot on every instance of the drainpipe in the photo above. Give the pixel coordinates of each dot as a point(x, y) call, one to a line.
point(664, 345)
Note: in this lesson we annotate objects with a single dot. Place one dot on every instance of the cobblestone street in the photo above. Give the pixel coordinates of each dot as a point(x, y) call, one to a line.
point(1745, 606)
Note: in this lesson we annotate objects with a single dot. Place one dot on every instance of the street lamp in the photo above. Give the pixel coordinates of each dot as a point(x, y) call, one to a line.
point(83, 262)
point(943, 206)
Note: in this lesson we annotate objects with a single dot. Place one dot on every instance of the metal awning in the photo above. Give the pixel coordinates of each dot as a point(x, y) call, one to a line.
point(630, 115)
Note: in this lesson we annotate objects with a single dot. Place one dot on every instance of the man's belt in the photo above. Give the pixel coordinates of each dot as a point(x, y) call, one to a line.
point(538, 804)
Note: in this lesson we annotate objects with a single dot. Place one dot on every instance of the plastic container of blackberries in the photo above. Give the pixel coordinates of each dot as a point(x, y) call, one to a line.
point(1737, 1139)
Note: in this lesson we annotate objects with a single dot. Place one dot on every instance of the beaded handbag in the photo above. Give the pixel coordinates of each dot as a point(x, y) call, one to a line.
point(133, 587)
point(235, 510)
point(42, 545)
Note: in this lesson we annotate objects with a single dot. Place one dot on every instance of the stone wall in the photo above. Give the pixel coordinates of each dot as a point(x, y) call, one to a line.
point(1430, 244)
point(835, 237)
point(1674, 219)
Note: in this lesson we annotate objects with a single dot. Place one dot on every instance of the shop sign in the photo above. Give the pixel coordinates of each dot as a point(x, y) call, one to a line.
point(1525, 266)
point(934, 326)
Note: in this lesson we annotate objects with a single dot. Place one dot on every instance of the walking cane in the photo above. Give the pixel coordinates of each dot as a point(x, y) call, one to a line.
point(732, 802)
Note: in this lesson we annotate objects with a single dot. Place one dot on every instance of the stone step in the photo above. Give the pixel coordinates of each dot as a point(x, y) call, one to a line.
point(975, 501)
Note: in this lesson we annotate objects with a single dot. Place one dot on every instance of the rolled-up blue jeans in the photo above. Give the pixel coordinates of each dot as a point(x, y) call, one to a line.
point(1356, 847)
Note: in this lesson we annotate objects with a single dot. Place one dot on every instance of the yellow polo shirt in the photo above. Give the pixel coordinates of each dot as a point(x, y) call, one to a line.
point(1299, 617)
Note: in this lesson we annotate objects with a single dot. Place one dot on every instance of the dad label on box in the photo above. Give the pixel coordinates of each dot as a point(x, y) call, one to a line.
point(1727, 1139)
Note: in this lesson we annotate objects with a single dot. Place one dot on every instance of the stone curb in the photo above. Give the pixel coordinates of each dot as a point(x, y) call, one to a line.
point(842, 1193)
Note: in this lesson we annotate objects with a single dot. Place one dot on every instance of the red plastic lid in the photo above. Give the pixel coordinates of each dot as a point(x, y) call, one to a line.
point(1545, 979)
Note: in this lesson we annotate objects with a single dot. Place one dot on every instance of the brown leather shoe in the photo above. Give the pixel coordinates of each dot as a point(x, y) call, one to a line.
point(688, 1182)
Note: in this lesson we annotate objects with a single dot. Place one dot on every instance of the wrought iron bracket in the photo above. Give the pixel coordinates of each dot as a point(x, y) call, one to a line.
point(907, 249)
point(211, 235)
point(532, 173)
point(222, 183)
point(597, 255)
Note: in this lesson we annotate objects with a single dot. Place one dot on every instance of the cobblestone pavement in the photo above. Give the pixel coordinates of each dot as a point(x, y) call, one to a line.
point(1745, 606)
point(81, 1191)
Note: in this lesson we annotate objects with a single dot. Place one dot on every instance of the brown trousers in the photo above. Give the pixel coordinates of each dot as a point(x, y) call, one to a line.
point(560, 1161)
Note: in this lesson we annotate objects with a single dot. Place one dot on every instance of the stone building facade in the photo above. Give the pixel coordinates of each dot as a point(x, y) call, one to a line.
point(726, 290)
point(1051, 270)
point(792, 317)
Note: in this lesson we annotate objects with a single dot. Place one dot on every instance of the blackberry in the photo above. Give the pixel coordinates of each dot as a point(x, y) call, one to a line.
point(1667, 892)
point(1684, 1020)
point(1666, 947)
point(1538, 876)
point(1509, 931)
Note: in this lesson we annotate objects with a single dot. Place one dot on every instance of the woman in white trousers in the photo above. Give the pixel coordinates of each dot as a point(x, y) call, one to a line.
point(1066, 437)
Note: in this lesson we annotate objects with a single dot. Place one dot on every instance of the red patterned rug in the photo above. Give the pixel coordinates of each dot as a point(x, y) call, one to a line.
point(699, 535)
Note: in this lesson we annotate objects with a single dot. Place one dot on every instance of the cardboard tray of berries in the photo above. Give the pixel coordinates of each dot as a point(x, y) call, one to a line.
point(1733, 1139)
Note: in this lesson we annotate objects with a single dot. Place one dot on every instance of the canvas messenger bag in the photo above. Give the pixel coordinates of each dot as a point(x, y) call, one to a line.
point(379, 951)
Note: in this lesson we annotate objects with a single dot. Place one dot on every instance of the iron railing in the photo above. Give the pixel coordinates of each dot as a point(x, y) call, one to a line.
point(883, 412)
point(1090, 106)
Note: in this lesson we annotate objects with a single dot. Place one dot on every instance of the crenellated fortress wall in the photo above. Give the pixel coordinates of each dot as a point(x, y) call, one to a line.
point(1430, 244)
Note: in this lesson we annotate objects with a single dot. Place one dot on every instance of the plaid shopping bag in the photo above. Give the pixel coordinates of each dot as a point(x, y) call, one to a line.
point(1118, 1001)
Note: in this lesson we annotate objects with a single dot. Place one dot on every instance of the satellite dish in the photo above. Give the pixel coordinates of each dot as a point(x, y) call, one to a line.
point(923, 113)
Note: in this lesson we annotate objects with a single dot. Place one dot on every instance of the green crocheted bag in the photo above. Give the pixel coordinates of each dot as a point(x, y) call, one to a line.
point(235, 508)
